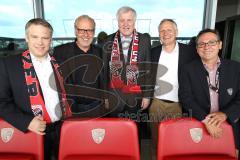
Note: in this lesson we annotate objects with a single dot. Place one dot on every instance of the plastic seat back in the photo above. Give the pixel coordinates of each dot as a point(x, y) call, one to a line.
point(187, 138)
point(17, 145)
point(99, 139)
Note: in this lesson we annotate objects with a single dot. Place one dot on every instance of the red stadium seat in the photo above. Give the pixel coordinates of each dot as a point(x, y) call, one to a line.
point(16, 145)
point(115, 139)
point(176, 141)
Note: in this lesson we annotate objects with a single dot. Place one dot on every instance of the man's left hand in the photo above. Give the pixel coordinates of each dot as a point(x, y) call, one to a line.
point(216, 118)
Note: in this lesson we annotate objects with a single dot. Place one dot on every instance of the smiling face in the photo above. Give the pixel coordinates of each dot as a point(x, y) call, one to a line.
point(168, 33)
point(208, 46)
point(126, 23)
point(39, 39)
point(84, 31)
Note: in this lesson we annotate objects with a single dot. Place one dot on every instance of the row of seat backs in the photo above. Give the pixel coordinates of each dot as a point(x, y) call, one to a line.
point(95, 139)
point(113, 138)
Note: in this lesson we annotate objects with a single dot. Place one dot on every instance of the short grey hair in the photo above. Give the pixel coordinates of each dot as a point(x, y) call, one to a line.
point(167, 20)
point(84, 17)
point(38, 21)
point(126, 9)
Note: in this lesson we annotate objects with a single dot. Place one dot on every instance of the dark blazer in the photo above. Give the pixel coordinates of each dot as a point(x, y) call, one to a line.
point(194, 91)
point(71, 51)
point(14, 99)
point(143, 56)
point(83, 76)
point(186, 55)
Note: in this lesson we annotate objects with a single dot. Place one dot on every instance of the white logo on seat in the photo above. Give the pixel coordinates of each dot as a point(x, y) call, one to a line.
point(196, 134)
point(7, 134)
point(98, 135)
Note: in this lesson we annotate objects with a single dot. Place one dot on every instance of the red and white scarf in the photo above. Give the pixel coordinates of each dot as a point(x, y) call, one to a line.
point(116, 67)
point(36, 100)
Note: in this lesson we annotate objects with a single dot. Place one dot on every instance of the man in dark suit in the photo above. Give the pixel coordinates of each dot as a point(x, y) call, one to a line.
point(81, 61)
point(210, 86)
point(29, 82)
point(125, 52)
point(167, 60)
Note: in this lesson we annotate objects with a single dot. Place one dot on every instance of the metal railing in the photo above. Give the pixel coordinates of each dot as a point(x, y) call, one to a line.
point(9, 46)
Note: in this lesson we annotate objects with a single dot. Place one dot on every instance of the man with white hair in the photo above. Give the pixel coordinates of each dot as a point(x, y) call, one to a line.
point(125, 51)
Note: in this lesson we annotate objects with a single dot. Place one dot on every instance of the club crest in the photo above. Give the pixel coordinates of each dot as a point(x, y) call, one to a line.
point(196, 134)
point(98, 135)
point(7, 134)
point(230, 91)
point(37, 110)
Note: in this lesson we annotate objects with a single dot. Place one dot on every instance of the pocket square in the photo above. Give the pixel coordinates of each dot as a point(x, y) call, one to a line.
point(230, 91)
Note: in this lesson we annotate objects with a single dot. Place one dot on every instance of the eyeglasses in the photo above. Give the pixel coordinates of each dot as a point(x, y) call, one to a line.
point(82, 31)
point(210, 43)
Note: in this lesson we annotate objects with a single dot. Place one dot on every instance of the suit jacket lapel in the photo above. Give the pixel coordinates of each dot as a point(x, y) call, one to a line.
point(58, 88)
point(180, 56)
point(156, 54)
point(18, 73)
point(222, 71)
point(202, 76)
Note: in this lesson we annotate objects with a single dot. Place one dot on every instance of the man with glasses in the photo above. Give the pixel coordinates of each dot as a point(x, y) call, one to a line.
point(81, 60)
point(168, 58)
point(210, 86)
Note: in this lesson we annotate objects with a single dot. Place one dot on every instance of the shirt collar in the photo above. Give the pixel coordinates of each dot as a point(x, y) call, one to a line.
point(124, 37)
point(175, 50)
point(89, 51)
point(34, 58)
point(215, 65)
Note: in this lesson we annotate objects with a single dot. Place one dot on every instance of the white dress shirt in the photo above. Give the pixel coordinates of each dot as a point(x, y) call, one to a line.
point(126, 41)
point(169, 60)
point(44, 71)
